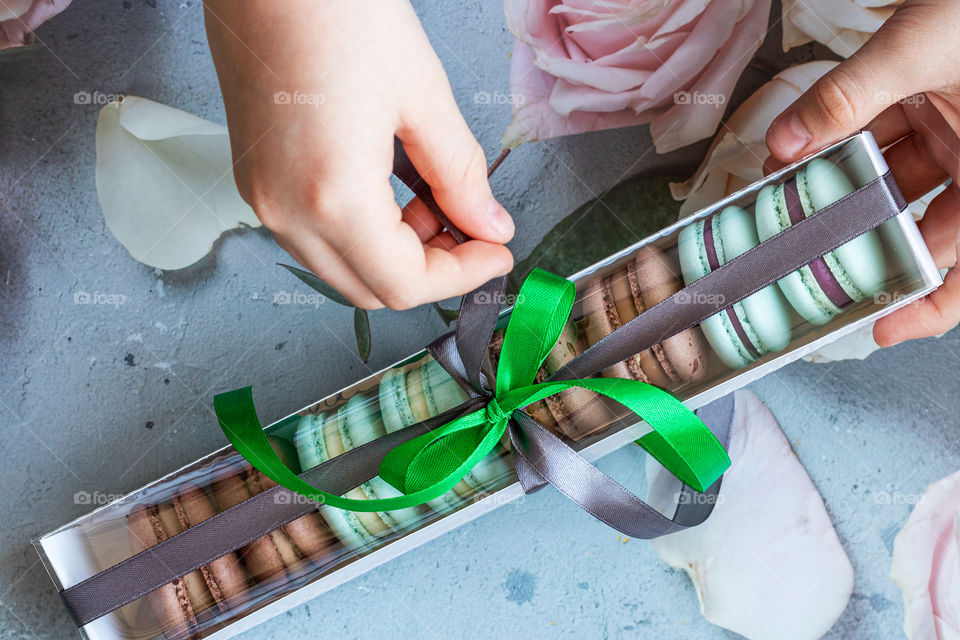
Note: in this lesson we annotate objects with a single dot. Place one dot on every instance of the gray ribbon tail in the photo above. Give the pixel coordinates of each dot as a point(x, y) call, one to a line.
point(479, 311)
point(530, 479)
point(403, 168)
point(541, 457)
point(695, 507)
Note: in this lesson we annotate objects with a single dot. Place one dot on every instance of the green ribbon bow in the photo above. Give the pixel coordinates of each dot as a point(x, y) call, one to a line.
point(430, 465)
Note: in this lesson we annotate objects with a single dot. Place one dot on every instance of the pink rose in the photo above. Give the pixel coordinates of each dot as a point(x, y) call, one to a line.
point(585, 65)
point(926, 564)
point(18, 19)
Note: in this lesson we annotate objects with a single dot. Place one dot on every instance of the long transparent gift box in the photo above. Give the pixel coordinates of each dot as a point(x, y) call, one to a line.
point(849, 287)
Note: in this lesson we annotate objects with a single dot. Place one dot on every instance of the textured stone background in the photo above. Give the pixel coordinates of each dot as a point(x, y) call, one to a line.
point(100, 399)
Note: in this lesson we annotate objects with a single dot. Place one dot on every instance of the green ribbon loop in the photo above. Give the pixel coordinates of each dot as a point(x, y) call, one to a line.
point(430, 465)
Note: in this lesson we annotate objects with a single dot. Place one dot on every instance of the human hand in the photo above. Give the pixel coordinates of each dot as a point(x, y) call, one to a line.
point(315, 93)
point(903, 85)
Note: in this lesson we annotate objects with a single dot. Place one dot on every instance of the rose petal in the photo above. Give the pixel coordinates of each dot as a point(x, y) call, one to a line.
point(599, 33)
point(767, 563)
point(926, 564)
point(739, 152)
point(599, 59)
point(534, 118)
point(683, 124)
point(709, 34)
point(842, 25)
point(165, 182)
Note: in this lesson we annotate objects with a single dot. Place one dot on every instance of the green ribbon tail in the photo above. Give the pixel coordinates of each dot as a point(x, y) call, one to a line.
point(679, 440)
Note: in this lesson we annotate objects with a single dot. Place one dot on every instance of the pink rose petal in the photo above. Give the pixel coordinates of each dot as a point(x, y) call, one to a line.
point(696, 120)
point(926, 564)
point(586, 64)
point(534, 118)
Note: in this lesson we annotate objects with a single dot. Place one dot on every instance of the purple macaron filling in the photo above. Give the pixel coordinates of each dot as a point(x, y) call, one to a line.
point(714, 263)
point(821, 272)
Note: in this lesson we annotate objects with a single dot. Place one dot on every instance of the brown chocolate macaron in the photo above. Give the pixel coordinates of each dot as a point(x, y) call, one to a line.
point(611, 302)
point(284, 549)
point(218, 586)
point(574, 412)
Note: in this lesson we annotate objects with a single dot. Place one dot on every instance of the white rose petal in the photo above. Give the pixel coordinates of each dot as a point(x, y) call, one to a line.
point(165, 182)
point(842, 25)
point(767, 563)
point(854, 346)
point(735, 159)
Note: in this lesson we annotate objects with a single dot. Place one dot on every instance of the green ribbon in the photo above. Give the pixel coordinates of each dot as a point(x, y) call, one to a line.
point(430, 465)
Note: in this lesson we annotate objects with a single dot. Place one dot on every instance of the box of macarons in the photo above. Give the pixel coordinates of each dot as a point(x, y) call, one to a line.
point(772, 305)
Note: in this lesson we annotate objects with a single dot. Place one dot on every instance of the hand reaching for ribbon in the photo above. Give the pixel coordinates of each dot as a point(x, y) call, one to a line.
point(903, 85)
point(315, 93)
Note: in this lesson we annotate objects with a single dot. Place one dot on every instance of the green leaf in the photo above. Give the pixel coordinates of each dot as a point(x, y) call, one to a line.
point(448, 315)
point(628, 212)
point(317, 284)
point(361, 327)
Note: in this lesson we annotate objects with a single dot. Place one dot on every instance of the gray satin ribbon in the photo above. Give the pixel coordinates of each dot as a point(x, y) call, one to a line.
point(540, 457)
point(866, 208)
point(235, 527)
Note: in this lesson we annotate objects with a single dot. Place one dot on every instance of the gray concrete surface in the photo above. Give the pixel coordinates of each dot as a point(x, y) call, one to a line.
point(102, 399)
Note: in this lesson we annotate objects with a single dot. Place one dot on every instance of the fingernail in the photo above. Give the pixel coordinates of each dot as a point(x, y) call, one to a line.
point(499, 219)
point(791, 136)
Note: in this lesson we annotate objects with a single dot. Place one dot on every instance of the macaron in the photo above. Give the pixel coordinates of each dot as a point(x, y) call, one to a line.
point(284, 550)
point(420, 392)
point(416, 393)
point(322, 436)
point(758, 324)
point(853, 272)
point(613, 301)
point(360, 530)
point(574, 412)
point(182, 605)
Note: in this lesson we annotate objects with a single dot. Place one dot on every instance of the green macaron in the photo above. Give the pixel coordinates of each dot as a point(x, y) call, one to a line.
point(320, 437)
point(853, 272)
point(411, 395)
point(757, 325)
